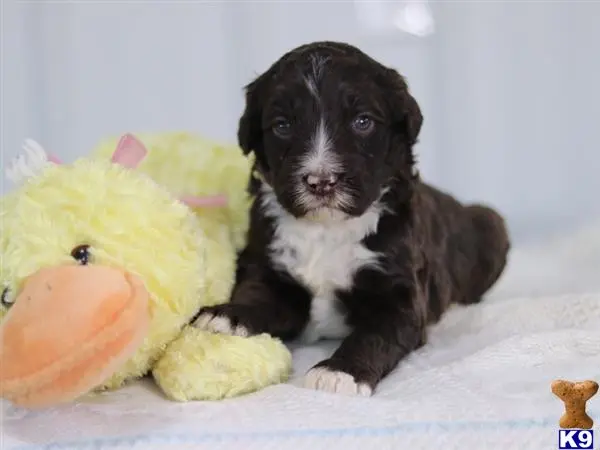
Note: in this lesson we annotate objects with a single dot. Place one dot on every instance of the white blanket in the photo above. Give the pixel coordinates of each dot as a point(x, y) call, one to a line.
point(483, 381)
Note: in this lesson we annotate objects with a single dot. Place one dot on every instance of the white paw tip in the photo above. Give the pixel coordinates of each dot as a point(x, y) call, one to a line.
point(219, 324)
point(323, 379)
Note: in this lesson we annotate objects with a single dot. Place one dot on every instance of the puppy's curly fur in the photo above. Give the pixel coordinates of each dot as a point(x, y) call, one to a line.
point(345, 239)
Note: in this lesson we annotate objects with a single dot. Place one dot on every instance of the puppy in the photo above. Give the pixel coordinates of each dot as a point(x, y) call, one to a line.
point(345, 241)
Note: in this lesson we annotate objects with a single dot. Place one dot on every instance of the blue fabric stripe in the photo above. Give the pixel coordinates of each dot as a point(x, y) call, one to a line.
point(204, 438)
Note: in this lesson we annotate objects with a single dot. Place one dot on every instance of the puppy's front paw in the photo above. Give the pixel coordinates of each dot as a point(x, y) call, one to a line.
point(221, 319)
point(334, 381)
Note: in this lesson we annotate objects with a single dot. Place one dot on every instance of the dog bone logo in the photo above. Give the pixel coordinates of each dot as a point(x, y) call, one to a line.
point(575, 395)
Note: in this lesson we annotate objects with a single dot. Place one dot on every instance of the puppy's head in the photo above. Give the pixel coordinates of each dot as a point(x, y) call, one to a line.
point(330, 128)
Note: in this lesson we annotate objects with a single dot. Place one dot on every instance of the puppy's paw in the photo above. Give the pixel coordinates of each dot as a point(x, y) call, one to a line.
point(333, 381)
point(220, 319)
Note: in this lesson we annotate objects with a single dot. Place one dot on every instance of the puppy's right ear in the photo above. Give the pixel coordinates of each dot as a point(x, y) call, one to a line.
point(250, 124)
point(250, 132)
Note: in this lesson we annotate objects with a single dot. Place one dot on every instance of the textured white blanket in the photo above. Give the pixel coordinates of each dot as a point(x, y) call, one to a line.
point(483, 381)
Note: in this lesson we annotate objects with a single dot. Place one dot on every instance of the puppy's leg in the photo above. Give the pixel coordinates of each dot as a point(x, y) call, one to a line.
point(387, 327)
point(262, 301)
point(492, 246)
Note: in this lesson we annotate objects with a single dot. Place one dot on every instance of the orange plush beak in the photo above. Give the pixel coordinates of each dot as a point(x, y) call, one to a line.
point(69, 329)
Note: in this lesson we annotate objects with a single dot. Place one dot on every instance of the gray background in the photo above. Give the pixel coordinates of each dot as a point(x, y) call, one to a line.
point(509, 90)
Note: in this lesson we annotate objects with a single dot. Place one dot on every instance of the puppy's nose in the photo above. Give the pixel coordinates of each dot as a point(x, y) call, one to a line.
point(320, 184)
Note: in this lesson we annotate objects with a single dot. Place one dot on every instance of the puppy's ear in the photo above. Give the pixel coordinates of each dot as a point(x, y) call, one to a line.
point(250, 124)
point(406, 112)
point(413, 119)
point(250, 131)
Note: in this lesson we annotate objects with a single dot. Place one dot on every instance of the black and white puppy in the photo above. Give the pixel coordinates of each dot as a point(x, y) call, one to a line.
point(345, 240)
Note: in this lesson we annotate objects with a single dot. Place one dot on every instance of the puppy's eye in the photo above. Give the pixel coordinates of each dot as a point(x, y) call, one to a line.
point(81, 254)
point(7, 299)
point(282, 127)
point(363, 124)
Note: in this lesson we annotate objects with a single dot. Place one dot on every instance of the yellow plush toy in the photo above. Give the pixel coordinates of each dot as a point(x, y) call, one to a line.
point(105, 261)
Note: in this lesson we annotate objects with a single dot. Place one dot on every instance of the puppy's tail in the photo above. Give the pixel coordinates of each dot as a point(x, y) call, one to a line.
point(493, 245)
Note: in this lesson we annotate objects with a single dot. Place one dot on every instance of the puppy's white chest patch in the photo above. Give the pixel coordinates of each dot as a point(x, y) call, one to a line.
point(323, 256)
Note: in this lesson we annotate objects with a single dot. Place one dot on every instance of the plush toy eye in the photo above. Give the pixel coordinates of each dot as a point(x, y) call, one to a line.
point(7, 299)
point(81, 254)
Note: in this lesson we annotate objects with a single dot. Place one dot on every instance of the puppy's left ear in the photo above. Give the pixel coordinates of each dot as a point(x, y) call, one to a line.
point(406, 112)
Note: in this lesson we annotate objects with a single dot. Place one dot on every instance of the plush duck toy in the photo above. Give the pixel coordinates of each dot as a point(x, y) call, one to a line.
point(106, 261)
